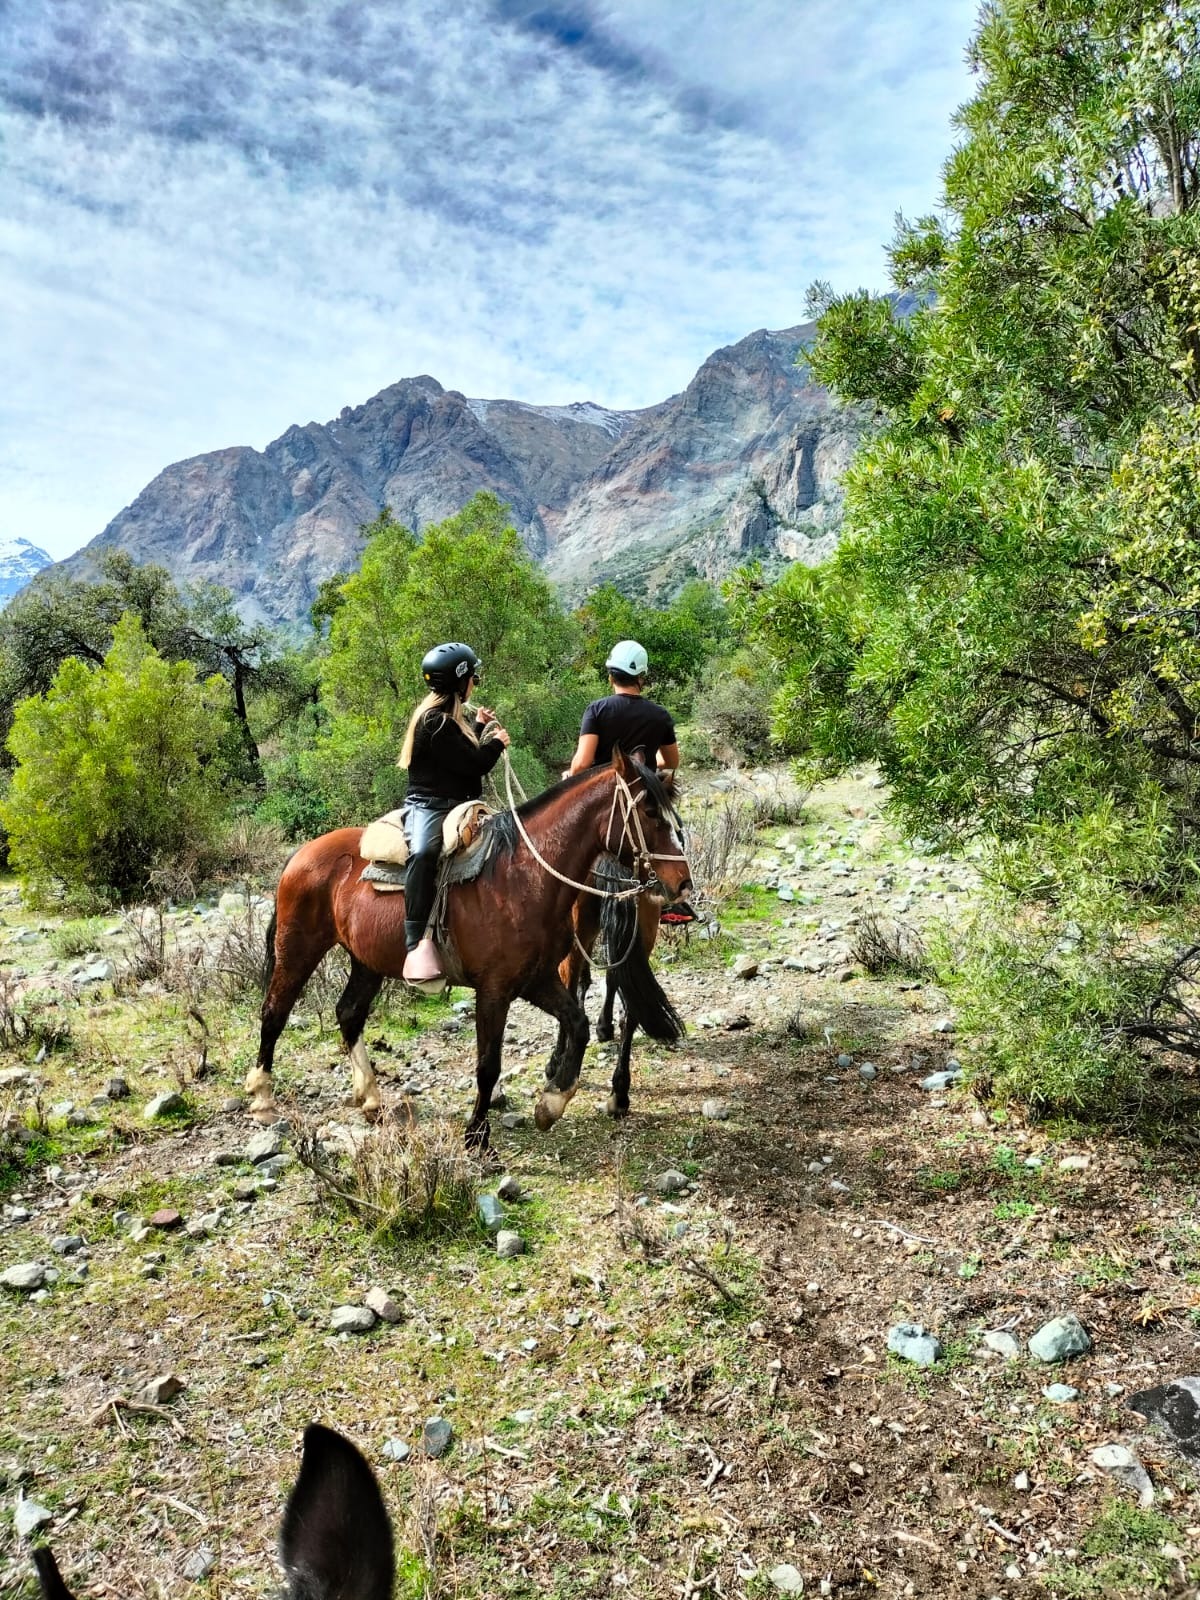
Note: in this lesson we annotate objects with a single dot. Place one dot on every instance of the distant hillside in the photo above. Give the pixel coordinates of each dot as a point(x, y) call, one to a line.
point(746, 461)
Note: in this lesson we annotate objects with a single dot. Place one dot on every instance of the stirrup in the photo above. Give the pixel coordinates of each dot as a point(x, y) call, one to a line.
point(429, 986)
point(433, 979)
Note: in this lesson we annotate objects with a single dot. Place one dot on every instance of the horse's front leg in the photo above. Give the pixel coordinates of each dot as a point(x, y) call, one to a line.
point(491, 1013)
point(562, 1070)
point(604, 1024)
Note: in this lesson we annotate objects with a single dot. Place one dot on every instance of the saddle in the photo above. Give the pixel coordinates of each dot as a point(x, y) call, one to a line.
point(385, 848)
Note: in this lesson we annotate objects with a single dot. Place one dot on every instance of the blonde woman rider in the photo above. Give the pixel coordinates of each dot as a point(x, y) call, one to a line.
point(446, 757)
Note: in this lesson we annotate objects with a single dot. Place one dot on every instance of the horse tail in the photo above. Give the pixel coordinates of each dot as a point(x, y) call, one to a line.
point(268, 968)
point(643, 997)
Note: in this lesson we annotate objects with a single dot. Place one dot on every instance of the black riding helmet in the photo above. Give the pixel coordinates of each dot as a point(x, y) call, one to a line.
point(448, 668)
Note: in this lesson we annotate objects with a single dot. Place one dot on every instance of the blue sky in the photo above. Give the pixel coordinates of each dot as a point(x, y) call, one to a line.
point(219, 217)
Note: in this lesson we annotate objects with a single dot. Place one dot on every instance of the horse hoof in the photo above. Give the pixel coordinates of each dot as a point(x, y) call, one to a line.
point(550, 1107)
point(616, 1108)
point(604, 1033)
point(266, 1115)
point(478, 1140)
point(371, 1110)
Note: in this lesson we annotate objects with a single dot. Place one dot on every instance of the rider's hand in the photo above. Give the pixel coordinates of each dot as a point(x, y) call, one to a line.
point(484, 714)
point(502, 735)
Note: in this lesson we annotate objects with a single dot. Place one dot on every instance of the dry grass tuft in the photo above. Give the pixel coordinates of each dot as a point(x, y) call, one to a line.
point(405, 1179)
point(720, 848)
point(881, 946)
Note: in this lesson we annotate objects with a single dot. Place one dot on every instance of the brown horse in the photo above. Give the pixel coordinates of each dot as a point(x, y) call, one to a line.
point(507, 930)
point(630, 933)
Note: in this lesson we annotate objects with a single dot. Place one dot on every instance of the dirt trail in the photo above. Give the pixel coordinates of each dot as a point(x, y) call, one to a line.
point(661, 1397)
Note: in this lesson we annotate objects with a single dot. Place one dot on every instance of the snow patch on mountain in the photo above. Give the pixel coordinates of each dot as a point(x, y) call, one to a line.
point(19, 562)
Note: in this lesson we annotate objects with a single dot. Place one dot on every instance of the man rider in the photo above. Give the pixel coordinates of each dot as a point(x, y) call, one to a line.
point(626, 717)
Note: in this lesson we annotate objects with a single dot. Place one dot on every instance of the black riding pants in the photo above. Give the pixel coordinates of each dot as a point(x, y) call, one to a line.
point(423, 830)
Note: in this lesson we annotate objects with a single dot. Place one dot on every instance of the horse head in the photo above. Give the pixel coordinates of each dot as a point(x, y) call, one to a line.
point(649, 826)
point(336, 1541)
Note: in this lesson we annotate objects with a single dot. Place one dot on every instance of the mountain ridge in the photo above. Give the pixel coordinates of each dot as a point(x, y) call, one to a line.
point(746, 460)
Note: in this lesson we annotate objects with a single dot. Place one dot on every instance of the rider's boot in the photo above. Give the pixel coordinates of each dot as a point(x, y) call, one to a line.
point(423, 965)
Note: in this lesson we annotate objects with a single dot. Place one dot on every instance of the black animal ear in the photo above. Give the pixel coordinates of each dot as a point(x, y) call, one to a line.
point(336, 1541)
point(49, 1577)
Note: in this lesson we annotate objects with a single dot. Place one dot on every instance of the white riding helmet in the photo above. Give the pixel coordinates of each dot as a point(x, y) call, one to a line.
point(628, 657)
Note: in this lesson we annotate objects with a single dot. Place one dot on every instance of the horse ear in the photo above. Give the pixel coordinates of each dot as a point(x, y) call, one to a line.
point(667, 778)
point(337, 1538)
point(619, 764)
point(49, 1577)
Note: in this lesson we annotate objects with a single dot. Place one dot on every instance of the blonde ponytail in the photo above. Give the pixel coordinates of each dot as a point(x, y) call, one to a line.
point(449, 708)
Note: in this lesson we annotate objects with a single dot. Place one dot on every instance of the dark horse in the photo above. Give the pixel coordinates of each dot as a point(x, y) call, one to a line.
point(507, 930)
point(630, 931)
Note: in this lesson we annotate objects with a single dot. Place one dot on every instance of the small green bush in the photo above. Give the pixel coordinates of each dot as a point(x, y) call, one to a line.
point(735, 714)
point(118, 770)
point(77, 938)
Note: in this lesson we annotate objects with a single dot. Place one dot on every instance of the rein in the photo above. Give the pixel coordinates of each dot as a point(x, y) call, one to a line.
point(631, 829)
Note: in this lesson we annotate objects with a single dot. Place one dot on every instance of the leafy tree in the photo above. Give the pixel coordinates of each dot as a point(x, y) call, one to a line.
point(1009, 626)
point(118, 770)
point(468, 578)
point(52, 622)
point(679, 638)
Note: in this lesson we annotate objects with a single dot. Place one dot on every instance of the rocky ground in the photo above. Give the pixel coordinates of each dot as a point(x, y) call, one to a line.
point(693, 1376)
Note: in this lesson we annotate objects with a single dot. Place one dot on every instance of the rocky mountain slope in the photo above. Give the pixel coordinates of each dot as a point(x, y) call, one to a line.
point(745, 461)
point(19, 562)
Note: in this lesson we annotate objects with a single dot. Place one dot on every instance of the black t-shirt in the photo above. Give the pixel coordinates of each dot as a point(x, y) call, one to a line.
point(631, 721)
point(446, 765)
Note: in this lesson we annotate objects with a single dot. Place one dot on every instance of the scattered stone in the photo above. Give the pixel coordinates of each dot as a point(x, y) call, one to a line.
point(1121, 1463)
point(117, 1089)
point(513, 1119)
point(230, 1104)
point(943, 1025)
point(845, 1061)
point(1060, 1339)
point(1060, 1394)
point(1174, 1407)
point(671, 1181)
point(867, 1071)
point(98, 972)
point(1021, 1482)
point(384, 1305)
point(246, 1189)
point(787, 1579)
point(745, 967)
point(232, 905)
point(491, 1212)
point(165, 1105)
point(499, 1100)
point(227, 1158)
point(941, 1080)
point(436, 1437)
point(13, 1077)
point(139, 1233)
point(396, 1450)
point(352, 1319)
point(274, 1166)
point(159, 1391)
point(29, 1516)
point(165, 1219)
point(1075, 1163)
point(523, 1418)
point(199, 1564)
point(910, 1342)
point(509, 1244)
point(508, 1189)
point(203, 1227)
point(715, 1111)
point(1002, 1343)
point(66, 1244)
point(25, 1277)
point(61, 1110)
point(265, 1144)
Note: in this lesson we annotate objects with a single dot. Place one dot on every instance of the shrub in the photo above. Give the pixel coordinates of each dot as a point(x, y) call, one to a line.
point(735, 714)
point(880, 946)
point(118, 770)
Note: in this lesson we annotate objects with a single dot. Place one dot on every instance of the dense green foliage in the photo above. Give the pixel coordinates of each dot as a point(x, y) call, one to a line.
point(118, 770)
point(1010, 626)
point(308, 735)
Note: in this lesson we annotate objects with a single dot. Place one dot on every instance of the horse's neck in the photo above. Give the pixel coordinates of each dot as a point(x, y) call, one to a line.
point(571, 837)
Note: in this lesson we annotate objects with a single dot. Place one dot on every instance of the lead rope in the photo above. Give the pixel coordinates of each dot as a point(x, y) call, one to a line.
point(584, 888)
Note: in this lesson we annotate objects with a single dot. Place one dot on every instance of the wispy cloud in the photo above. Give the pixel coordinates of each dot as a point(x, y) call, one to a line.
point(219, 218)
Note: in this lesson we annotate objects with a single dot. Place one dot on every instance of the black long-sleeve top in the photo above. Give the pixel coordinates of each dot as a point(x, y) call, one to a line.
point(446, 767)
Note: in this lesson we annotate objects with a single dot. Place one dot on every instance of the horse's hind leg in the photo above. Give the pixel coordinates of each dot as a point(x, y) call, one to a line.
point(353, 1008)
point(618, 1100)
point(297, 955)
